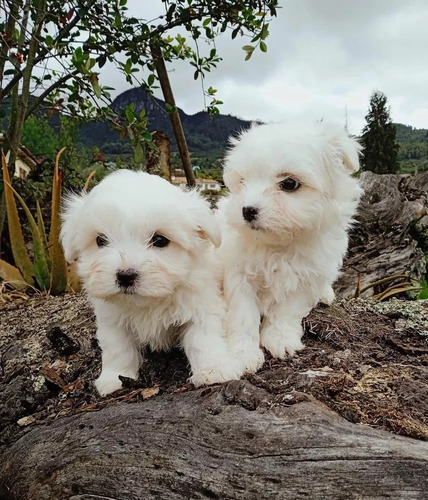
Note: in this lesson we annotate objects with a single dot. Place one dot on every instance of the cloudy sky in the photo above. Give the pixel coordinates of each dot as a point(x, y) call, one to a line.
point(324, 60)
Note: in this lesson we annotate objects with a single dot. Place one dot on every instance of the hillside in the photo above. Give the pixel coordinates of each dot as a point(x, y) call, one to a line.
point(413, 153)
point(205, 135)
point(208, 137)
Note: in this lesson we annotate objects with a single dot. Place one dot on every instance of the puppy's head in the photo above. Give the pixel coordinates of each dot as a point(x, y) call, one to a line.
point(285, 180)
point(135, 234)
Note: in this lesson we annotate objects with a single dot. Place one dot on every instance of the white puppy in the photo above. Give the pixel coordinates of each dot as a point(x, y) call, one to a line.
point(284, 231)
point(147, 261)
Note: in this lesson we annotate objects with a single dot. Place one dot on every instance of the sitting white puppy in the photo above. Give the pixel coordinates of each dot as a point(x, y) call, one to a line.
point(284, 231)
point(147, 261)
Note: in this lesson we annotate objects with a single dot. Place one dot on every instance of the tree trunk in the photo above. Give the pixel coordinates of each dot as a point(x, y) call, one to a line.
point(20, 97)
point(390, 236)
point(174, 115)
point(159, 161)
point(15, 6)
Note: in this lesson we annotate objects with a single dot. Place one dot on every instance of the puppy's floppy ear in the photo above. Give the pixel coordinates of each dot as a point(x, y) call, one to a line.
point(345, 146)
point(203, 221)
point(71, 221)
point(208, 227)
point(231, 179)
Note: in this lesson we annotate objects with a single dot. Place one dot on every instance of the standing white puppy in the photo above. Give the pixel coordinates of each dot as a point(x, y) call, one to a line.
point(284, 228)
point(146, 257)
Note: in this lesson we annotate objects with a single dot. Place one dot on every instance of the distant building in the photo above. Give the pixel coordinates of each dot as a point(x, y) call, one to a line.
point(201, 184)
point(25, 161)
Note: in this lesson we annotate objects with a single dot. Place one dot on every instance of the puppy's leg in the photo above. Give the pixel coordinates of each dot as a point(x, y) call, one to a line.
point(282, 328)
point(327, 295)
point(120, 356)
point(243, 323)
point(205, 346)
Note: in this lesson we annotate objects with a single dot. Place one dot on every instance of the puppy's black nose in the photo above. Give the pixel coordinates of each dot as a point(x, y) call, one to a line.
point(126, 278)
point(250, 213)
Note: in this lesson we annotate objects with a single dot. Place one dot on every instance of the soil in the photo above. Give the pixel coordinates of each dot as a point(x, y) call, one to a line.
point(367, 362)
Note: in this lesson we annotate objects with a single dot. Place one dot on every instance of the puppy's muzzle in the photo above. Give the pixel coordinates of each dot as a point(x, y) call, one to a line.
point(250, 214)
point(127, 278)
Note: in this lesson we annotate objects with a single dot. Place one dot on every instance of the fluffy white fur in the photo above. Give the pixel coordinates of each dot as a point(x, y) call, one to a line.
point(175, 297)
point(281, 264)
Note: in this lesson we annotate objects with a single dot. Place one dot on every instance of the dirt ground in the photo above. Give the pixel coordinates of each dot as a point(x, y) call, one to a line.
point(366, 361)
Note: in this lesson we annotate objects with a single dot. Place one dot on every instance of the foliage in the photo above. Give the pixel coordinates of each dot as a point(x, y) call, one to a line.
point(48, 271)
point(379, 138)
point(81, 36)
point(423, 294)
point(19, 250)
point(40, 138)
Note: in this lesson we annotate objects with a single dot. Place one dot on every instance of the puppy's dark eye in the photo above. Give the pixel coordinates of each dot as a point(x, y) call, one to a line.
point(159, 241)
point(289, 184)
point(102, 240)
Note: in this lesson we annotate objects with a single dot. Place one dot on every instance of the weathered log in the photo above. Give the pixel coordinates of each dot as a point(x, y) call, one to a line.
point(270, 436)
point(389, 236)
point(225, 442)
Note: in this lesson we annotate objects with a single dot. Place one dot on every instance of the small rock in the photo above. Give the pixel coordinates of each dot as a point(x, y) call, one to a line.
point(38, 382)
point(400, 324)
point(24, 421)
point(363, 369)
point(315, 373)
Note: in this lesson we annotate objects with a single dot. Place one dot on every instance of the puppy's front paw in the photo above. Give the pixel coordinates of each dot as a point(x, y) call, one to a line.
point(281, 342)
point(252, 360)
point(108, 382)
point(250, 357)
point(328, 296)
point(215, 374)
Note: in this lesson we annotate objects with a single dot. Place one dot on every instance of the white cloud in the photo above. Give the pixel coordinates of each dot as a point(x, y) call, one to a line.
point(323, 58)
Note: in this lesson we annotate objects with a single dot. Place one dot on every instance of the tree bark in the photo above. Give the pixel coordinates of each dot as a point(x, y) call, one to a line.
point(159, 161)
point(390, 235)
point(269, 436)
point(15, 6)
point(20, 98)
point(174, 115)
point(227, 442)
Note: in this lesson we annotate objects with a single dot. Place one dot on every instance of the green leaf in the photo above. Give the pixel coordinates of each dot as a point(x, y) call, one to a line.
point(129, 113)
point(95, 84)
point(11, 275)
point(147, 136)
point(59, 264)
point(265, 32)
point(138, 153)
point(41, 226)
point(263, 47)
point(151, 79)
point(41, 268)
point(248, 48)
point(19, 250)
point(171, 109)
point(90, 63)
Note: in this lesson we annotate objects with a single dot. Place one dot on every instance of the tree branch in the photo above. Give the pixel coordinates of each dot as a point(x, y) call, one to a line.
point(40, 98)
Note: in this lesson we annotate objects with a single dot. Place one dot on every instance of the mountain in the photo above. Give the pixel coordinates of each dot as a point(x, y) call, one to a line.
point(205, 135)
